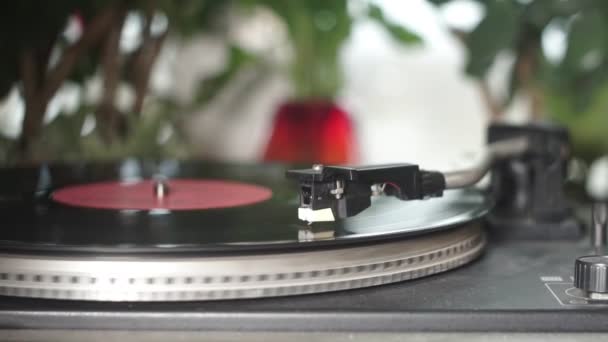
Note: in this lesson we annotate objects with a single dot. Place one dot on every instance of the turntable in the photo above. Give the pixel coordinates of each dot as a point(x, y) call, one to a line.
point(186, 246)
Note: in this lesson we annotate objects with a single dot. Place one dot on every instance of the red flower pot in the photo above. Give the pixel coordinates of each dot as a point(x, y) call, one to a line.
point(311, 132)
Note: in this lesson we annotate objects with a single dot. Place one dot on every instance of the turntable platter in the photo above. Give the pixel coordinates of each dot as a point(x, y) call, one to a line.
point(56, 248)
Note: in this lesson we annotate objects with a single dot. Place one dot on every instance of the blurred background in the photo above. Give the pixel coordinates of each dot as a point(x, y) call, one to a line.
point(333, 81)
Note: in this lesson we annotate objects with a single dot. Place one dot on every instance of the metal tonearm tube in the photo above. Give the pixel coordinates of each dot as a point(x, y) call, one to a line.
point(496, 151)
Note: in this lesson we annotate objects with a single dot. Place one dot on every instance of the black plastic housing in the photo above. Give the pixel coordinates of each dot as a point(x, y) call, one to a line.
point(405, 181)
point(529, 190)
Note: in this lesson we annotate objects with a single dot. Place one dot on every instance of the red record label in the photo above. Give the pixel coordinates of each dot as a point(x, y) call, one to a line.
point(173, 194)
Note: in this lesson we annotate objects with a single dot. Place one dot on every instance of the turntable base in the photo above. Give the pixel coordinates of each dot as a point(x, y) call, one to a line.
point(514, 287)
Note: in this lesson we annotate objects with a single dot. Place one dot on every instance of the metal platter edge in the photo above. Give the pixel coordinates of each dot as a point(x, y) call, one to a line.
point(244, 276)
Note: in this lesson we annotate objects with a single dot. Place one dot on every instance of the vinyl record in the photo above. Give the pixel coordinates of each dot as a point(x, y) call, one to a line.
point(208, 208)
point(172, 231)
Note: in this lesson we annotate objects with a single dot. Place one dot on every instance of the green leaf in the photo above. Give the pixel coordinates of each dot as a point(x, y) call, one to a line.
point(396, 31)
point(439, 2)
point(496, 32)
point(587, 129)
point(210, 87)
point(189, 17)
point(586, 41)
point(317, 30)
